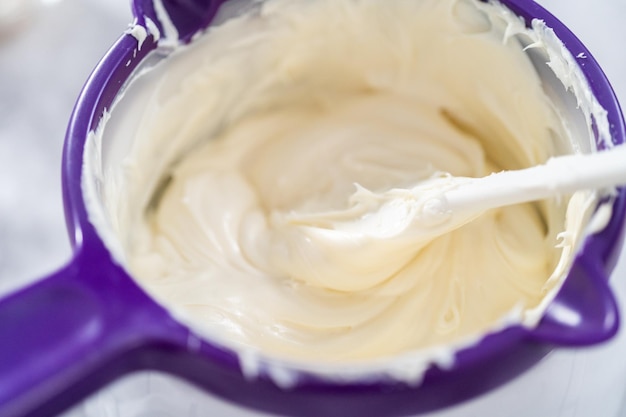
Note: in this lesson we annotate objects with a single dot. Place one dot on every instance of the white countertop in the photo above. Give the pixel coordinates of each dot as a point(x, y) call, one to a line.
point(43, 65)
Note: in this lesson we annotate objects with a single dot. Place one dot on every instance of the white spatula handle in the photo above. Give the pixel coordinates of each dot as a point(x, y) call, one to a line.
point(558, 176)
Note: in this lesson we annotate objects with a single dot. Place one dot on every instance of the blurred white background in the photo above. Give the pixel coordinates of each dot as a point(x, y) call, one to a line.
point(47, 53)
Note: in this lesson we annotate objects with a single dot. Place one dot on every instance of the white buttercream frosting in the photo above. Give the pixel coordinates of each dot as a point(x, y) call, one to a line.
point(241, 173)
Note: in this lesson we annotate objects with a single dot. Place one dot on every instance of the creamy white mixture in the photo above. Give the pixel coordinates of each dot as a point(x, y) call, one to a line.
point(239, 175)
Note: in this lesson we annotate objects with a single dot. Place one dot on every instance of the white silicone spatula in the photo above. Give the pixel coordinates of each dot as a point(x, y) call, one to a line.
point(396, 223)
point(558, 176)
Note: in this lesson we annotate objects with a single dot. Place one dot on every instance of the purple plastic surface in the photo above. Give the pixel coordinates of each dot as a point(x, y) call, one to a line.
point(89, 323)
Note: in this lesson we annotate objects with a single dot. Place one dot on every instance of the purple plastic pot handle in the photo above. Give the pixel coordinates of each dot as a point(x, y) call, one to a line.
point(51, 328)
point(69, 334)
point(585, 311)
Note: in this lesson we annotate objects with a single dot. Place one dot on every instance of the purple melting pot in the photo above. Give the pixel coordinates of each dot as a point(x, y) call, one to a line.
point(90, 323)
